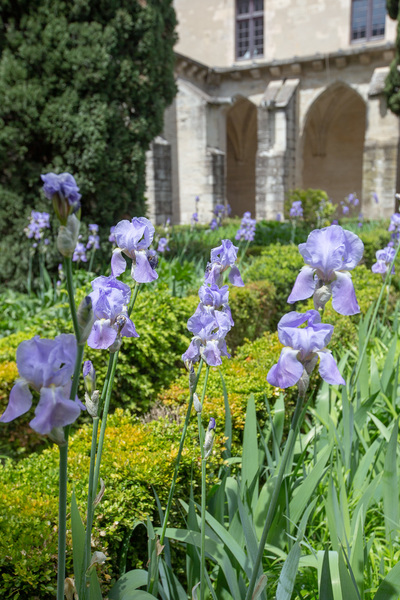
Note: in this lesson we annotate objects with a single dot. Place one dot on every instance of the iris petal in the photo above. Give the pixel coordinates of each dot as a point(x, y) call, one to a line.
point(304, 285)
point(344, 299)
point(287, 371)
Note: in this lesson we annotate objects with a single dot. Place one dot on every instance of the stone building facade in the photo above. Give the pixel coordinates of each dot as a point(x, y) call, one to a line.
point(275, 95)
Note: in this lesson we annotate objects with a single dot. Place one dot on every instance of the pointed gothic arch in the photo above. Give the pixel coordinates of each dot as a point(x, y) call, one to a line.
point(241, 148)
point(333, 142)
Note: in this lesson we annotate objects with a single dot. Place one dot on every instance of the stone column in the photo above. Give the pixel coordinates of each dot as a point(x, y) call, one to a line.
point(275, 161)
point(381, 152)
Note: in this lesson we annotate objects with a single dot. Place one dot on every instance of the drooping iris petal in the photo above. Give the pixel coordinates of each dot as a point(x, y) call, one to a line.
point(328, 368)
point(129, 329)
point(118, 263)
point(344, 299)
point(54, 410)
point(212, 353)
point(19, 403)
point(192, 354)
point(142, 271)
point(235, 277)
point(287, 371)
point(103, 335)
point(304, 286)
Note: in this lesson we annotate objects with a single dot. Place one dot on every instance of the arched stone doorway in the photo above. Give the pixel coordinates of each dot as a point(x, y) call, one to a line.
point(241, 148)
point(333, 143)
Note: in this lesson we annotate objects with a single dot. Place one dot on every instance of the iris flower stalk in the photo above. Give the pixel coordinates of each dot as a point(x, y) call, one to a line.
point(303, 347)
point(385, 283)
point(63, 473)
point(192, 391)
point(97, 448)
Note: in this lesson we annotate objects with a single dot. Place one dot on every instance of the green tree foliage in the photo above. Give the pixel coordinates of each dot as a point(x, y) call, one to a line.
point(83, 88)
point(392, 86)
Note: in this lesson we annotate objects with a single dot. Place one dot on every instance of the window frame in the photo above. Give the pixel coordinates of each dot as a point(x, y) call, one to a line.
point(251, 17)
point(369, 37)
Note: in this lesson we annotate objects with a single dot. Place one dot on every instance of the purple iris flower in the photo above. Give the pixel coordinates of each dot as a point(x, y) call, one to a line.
point(222, 258)
point(111, 237)
point(213, 224)
point(345, 210)
point(79, 253)
point(394, 222)
point(133, 239)
point(38, 222)
point(247, 228)
point(303, 347)
point(384, 259)
point(47, 366)
point(219, 210)
point(110, 298)
point(329, 253)
point(63, 191)
point(162, 245)
point(296, 209)
point(375, 197)
point(209, 331)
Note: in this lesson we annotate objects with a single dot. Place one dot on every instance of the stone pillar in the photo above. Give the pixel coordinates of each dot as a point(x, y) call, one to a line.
point(159, 181)
point(217, 175)
point(381, 152)
point(275, 161)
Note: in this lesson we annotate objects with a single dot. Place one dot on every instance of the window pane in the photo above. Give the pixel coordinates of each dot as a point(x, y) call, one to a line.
point(359, 19)
point(258, 36)
point(243, 39)
point(258, 5)
point(243, 7)
point(378, 18)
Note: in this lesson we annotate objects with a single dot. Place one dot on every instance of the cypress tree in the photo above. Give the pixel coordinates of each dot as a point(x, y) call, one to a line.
point(83, 88)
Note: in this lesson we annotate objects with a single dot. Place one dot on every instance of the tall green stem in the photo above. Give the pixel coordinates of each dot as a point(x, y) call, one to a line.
point(289, 446)
point(203, 495)
point(63, 466)
point(176, 470)
point(71, 294)
point(62, 520)
point(113, 366)
point(372, 322)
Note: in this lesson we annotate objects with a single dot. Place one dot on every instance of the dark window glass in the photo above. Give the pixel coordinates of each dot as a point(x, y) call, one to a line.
point(249, 28)
point(368, 19)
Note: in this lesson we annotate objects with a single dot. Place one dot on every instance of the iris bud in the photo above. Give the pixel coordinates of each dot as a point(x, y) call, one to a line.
point(197, 404)
point(209, 439)
point(86, 319)
point(68, 236)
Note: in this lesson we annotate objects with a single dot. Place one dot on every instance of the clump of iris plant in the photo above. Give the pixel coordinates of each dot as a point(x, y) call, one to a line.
point(162, 245)
point(394, 229)
point(46, 366)
point(212, 319)
point(247, 228)
point(133, 238)
point(79, 253)
point(93, 239)
point(330, 253)
point(38, 223)
point(220, 211)
point(296, 210)
point(304, 346)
